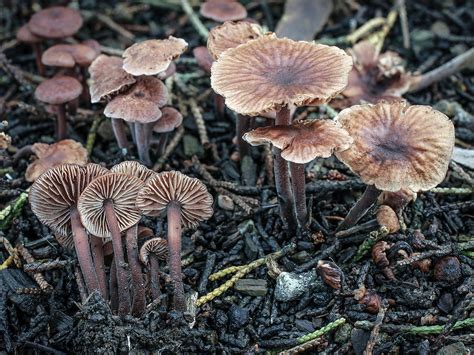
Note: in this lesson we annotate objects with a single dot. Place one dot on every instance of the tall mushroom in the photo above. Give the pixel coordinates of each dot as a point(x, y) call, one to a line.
point(396, 146)
point(151, 252)
point(299, 143)
point(169, 121)
point(59, 91)
point(53, 198)
point(271, 74)
point(186, 202)
point(24, 35)
point(223, 10)
point(107, 208)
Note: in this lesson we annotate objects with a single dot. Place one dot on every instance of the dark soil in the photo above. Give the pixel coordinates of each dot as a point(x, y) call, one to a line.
point(57, 322)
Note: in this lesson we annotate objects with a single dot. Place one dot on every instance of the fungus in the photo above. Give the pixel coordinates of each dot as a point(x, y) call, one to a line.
point(396, 146)
point(223, 10)
point(271, 74)
point(140, 106)
point(69, 55)
point(300, 143)
point(203, 58)
point(107, 208)
point(186, 202)
point(53, 198)
point(51, 155)
point(24, 35)
point(59, 91)
point(169, 121)
point(133, 168)
point(153, 56)
point(170, 71)
point(387, 217)
point(151, 253)
point(55, 22)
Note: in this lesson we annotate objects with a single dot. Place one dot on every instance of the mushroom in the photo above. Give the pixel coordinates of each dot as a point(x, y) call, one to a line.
point(396, 146)
point(387, 217)
point(300, 143)
point(55, 22)
point(223, 10)
point(186, 202)
point(140, 106)
point(153, 56)
point(51, 155)
point(271, 74)
point(59, 91)
point(151, 252)
point(169, 121)
point(133, 168)
point(53, 198)
point(107, 208)
point(24, 35)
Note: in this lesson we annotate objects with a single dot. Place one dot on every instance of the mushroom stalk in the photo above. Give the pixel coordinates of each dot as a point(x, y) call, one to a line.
point(138, 300)
point(162, 141)
point(442, 72)
point(361, 207)
point(154, 277)
point(39, 63)
point(242, 126)
point(282, 176)
point(83, 252)
point(113, 286)
point(299, 189)
point(98, 257)
point(122, 279)
point(72, 107)
point(174, 246)
point(142, 135)
point(61, 123)
point(219, 105)
point(119, 132)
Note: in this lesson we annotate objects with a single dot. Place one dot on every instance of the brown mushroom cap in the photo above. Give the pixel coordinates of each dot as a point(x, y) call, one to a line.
point(170, 120)
point(133, 168)
point(57, 190)
point(55, 22)
point(153, 56)
point(303, 141)
point(107, 77)
point(24, 35)
point(268, 73)
point(230, 35)
point(223, 10)
point(397, 146)
point(122, 189)
point(171, 70)
point(92, 43)
point(68, 55)
point(141, 103)
point(157, 246)
point(190, 193)
point(58, 90)
point(203, 58)
point(50, 155)
point(387, 217)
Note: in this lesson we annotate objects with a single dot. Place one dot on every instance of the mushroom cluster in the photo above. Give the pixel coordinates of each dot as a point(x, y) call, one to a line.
point(134, 92)
point(92, 207)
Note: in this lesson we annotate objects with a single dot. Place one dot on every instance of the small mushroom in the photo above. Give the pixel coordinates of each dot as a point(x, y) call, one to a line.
point(396, 146)
point(55, 22)
point(169, 121)
point(271, 74)
point(151, 252)
point(51, 155)
point(107, 208)
point(387, 217)
point(68, 55)
point(153, 56)
point(140, 105)
point(24, 35)
point(59, 91)
point(186, 202)
point(223, 10)
point(300, 143)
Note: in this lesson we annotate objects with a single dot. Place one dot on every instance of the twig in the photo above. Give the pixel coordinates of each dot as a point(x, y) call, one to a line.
point(195, 21)
point(365, 29)
point(320, 332)
point(402, 11)
point(114, 26)
point(111, 51)
point(92, 134)
point(45, 266)
point(201, 125)
point(38, 277)
point(452, 190)
point(11, 251)
point(9, 213)
point(417, 330)
point(224, 272)
point(375, 331)
point(238, 200)
point(367, 245)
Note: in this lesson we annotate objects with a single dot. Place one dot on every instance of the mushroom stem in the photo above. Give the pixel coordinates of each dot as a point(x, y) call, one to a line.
point(131, 126)
point(61, 123)
point(85, 95)
point(154, 277)
point(98, 257)
point(282, 177)
point(162, 141)
point(174, 246)
point(122, 279)
point(119, 132)
point(138, 300)
point(442, 72)
point(361, 207)
point(242, 126)
point(39, 63)
point(219, 105)
point(83, 252)
point(72, 106)
point(142, 135)
point(299, 189)
point(113, 286)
